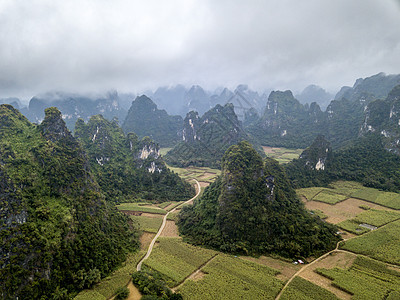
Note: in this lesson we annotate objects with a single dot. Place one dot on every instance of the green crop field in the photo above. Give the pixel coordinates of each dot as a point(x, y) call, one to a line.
point(141, 208)
point(176, 260)
point(365, 279)
point(200, 173)
point(283, 155)
point(148, 224)
point(327, 196)
point(107, 287)
point(377, 217)
point(301, 289)
point(350, 189)
point(382, 244)
point(353, 227)
point(228, 277)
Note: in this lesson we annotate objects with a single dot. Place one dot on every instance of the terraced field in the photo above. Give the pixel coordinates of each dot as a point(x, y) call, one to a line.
point(283, 155)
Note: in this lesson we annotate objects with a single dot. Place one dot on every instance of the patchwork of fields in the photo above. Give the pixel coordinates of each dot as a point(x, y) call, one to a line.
point(283, 155)
point(357, 270)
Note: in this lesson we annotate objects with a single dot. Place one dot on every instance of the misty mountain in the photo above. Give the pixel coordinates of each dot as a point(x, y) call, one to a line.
point(145, 119)
point(314, 93)
point(15, 102)
point(206, 138)
point(75, 106)
point(373, 87)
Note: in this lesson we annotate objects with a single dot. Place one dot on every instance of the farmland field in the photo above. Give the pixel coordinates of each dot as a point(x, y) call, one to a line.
point(283, 155)
point(176, 260)
point(141, 208)
point(382, 244)
point(353, 227)
point(302, 289)
point(365, 279)
point(228, 277)
point(148, 224)
point(327, 196)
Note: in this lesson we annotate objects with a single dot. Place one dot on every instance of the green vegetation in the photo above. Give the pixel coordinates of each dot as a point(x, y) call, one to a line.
point(121, 293)
point(145, 119)
point(353, 227)
point(251, 208)
point(302, 289)
point(283, 155)
point(140, 208)
point(58, 235)
point(229, 277)
point(108, 286)
point(176, 260)
point(204, 174)
point(319, 213)
point(328, 197)
point(377, 217)
point(148, 224)
point(382, 244)
point(126, 168)
point(152, 284)
point(364, 160)
point(365, 279)
point(350, 189)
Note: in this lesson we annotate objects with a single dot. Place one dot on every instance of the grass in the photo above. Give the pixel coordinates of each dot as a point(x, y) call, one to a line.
point(148, 224)
point(382, 244)
point(319, 213)
point(200, 173)
point(141, 208)
point(365, 279)
point(372, 217)
point(107, 287)
point(228, 277)
point(353, 227)
point(282, 155)
point(164, 151)
point(176, 260)
point(350, 189)
point(302, 289)
point(327, 196)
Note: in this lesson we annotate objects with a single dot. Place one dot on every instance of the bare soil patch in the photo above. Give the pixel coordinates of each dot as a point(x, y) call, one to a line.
point(198, 275)
point(169, 207)
point(341, 260)
point(341, 211)
point(146, 239)
point(170, 230)
point(287, 269)
point(268, 149)
point(148, 215)
point(206, 175)
point(134, 293)
point(204, 184)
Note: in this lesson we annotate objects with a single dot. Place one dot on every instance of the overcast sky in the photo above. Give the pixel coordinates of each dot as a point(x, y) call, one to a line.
point(90, 46)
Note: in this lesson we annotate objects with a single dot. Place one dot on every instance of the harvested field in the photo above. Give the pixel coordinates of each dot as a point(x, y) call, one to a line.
point(204, 184)
point(341, 260)
point(145, 240)
point(170, 230)
point(286, 269)
point(149, 215)
point(134, 293)
point(347, 209)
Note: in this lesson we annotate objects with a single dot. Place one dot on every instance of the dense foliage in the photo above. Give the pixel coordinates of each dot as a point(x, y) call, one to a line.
point(152, 286)
point(365, 160)
point(251, 208)
point(57, 233)
point(145, 119)
point(206, 138)
point(127, 168)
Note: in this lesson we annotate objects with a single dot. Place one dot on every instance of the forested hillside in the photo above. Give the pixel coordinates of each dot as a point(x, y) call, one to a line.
point(58, 234)
point(252, 208)
point(128, 168)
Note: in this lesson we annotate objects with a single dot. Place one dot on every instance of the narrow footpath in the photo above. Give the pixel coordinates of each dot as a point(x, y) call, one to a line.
point(139, 266)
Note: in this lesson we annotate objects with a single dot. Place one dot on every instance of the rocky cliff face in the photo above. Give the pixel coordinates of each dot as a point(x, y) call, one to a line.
point(383, 117)
point(317, 155)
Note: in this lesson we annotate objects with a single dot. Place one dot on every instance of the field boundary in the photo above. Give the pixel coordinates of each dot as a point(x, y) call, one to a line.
point(196, 271)
point(150, 249)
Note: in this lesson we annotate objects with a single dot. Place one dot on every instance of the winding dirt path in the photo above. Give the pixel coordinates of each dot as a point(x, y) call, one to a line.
point(139, 266)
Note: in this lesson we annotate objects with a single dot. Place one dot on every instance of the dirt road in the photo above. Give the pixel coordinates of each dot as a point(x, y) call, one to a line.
point(139, 266)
